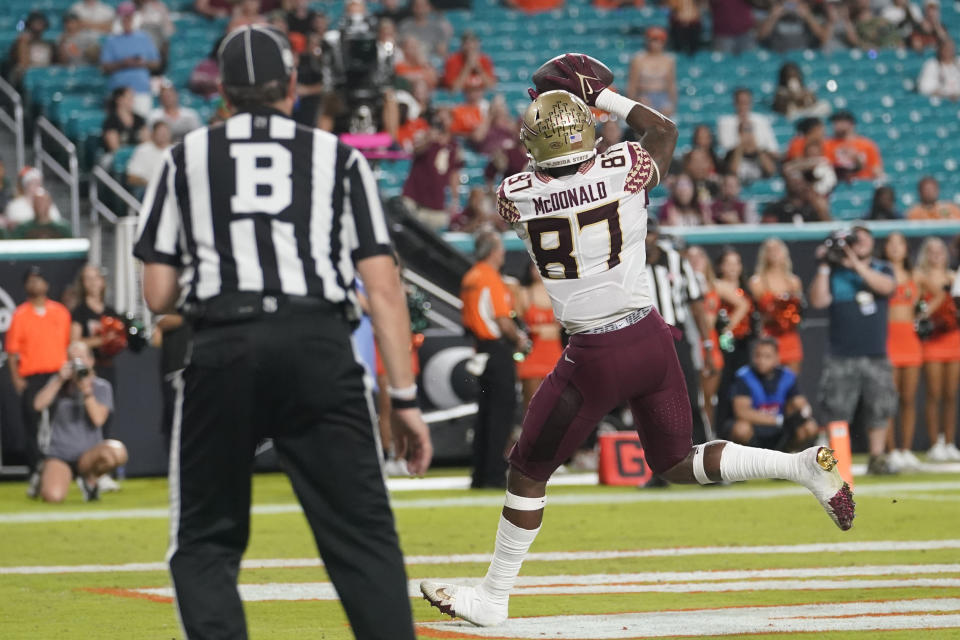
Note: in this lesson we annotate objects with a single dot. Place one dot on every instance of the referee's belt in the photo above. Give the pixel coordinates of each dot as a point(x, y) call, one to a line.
point(231, 308)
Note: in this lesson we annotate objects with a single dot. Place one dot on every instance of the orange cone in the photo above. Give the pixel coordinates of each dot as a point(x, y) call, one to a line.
point(839, 433)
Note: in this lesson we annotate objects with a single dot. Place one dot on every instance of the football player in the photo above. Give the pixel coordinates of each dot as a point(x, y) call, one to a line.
point(583, 218)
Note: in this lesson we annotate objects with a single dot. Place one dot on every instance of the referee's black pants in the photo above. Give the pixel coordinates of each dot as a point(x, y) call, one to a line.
point(496, 409)
point(691, 375)
point(294, 379)
point(32, 417)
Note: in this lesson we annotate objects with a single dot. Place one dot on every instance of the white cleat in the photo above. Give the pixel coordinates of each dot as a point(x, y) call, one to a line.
point(818, 469)
point(467, 603)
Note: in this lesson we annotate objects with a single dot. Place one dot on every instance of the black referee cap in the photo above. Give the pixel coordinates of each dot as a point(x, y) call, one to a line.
point(253, 55)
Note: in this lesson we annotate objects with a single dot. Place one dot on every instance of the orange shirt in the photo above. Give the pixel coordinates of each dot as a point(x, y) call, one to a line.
point(936, 211)
point(795, 148)
point(485, 298)
point(454, 65)
point(533, 6)
point(466, 118)
point(854, 151)
point(40, 340)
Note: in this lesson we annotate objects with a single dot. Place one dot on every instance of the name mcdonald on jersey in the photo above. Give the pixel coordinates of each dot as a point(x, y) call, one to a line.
point(570, 198)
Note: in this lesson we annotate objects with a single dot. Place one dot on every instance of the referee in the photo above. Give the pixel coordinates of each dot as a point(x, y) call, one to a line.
point(257, 229)
point(677, 296)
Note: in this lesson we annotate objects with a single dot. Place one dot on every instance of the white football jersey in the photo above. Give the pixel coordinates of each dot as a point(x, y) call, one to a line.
point(586, 234)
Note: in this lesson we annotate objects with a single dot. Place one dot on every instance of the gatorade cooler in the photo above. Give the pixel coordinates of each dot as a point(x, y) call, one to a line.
point(622, 461)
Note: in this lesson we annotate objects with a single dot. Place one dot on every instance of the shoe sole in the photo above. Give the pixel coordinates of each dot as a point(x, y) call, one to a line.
point(841, 507)
point(444, 608)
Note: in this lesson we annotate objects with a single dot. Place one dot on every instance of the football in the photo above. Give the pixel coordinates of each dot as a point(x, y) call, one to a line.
point(549, 68)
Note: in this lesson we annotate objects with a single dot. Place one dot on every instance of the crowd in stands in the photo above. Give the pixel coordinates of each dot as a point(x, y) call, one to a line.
point(415, 56)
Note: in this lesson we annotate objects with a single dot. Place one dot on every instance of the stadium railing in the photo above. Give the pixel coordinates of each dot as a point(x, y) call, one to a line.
point(58, 149)
point(14, 120)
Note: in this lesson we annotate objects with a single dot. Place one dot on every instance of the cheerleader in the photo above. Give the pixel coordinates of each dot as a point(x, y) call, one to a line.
point(715, 294)
point(536, 311)
point(903, 348)
point(779, 295)
point(941, 350)
point(739, 323)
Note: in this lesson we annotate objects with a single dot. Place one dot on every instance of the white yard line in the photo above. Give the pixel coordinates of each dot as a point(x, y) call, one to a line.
point(887, 489)
point(545, 556)
point(585, 585)
point(939, 613)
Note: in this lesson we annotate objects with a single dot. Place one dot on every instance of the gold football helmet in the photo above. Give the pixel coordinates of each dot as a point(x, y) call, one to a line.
point(558, 129)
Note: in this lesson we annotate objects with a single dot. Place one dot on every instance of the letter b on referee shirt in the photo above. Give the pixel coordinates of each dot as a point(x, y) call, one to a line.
point(264, 177)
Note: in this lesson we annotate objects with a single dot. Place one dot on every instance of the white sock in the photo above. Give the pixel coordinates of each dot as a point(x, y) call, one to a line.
point(738, 463)
point(513, 542)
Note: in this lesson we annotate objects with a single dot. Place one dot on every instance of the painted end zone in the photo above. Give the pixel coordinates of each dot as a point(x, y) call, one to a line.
point(930, 613)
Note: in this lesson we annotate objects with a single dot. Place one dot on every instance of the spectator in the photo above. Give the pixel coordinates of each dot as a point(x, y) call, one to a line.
point(96, 17)
point(729, 126)
point(76, 46)
point(469, 66)
point(20, 209)
point(703, 139)
point(940, 76)
point(122, 126)
point(79, 404)
point(610, 134)
point(728, 208)
point(800, 203)
point(36, 346)
point(414, 65)
point(903, 348)
point(533, 6)
point(854, 157)
point(87, 326)
point(873, 32)
point(839, 30)
point(148, 155)
point(610, 5)
point(930, 206)
point(778, 293)
point(471, 113)
point(435, 169)
point(181, 120)
point(427, 26)
point(205, 75)
point(903, 15)
point(941, 350)
point(300, 18)
point(768, 409)
point(479, 214)
point(129, 58)
point(392, 10)
point(808, 130)
point(213, 9)
point(732, 26)
point(795, 100)
point(313, 81)
point(413, 107)
point(682, 208)
point(790, 25)
point(652, 78)
point(929, 32)
point(497, 139)
point(884, 205)
point(246, 12)
point(815, 168)
point(30, 50)
point(153, 18)
point(685, 25)
point(747, 160)
point(706, 183)
point(41, 226)
point(856, 371)
point(487, 316)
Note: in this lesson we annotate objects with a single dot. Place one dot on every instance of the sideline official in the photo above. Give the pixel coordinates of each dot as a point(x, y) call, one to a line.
point(256, 230)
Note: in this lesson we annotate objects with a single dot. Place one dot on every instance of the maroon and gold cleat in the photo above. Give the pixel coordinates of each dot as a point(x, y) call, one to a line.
point(819, 474)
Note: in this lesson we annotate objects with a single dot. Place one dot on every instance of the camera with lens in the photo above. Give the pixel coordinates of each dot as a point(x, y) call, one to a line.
point(361, 71)
point(80, 368)
point(835, 244)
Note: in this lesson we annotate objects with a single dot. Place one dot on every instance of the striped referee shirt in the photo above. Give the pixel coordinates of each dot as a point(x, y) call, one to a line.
point(262, 204)
point(673, 286)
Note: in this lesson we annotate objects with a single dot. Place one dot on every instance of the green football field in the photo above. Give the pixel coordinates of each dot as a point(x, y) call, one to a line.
point(738, 561)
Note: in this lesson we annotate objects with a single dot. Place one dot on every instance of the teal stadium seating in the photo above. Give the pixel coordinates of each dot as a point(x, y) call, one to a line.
point(916, 135)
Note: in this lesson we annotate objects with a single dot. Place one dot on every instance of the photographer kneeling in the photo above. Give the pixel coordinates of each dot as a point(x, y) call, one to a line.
point(855, 287)
point(768, 409)
point(79, 404)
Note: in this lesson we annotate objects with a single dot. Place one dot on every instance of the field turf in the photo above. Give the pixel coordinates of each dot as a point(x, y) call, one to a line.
point(897, 578)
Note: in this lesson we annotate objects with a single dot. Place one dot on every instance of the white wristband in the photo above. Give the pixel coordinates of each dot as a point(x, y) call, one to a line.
point(406, 393)
point(613, 102)
point(824, 269)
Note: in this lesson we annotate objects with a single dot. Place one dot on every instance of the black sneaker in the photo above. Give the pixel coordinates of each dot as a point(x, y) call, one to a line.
point(91, 492)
